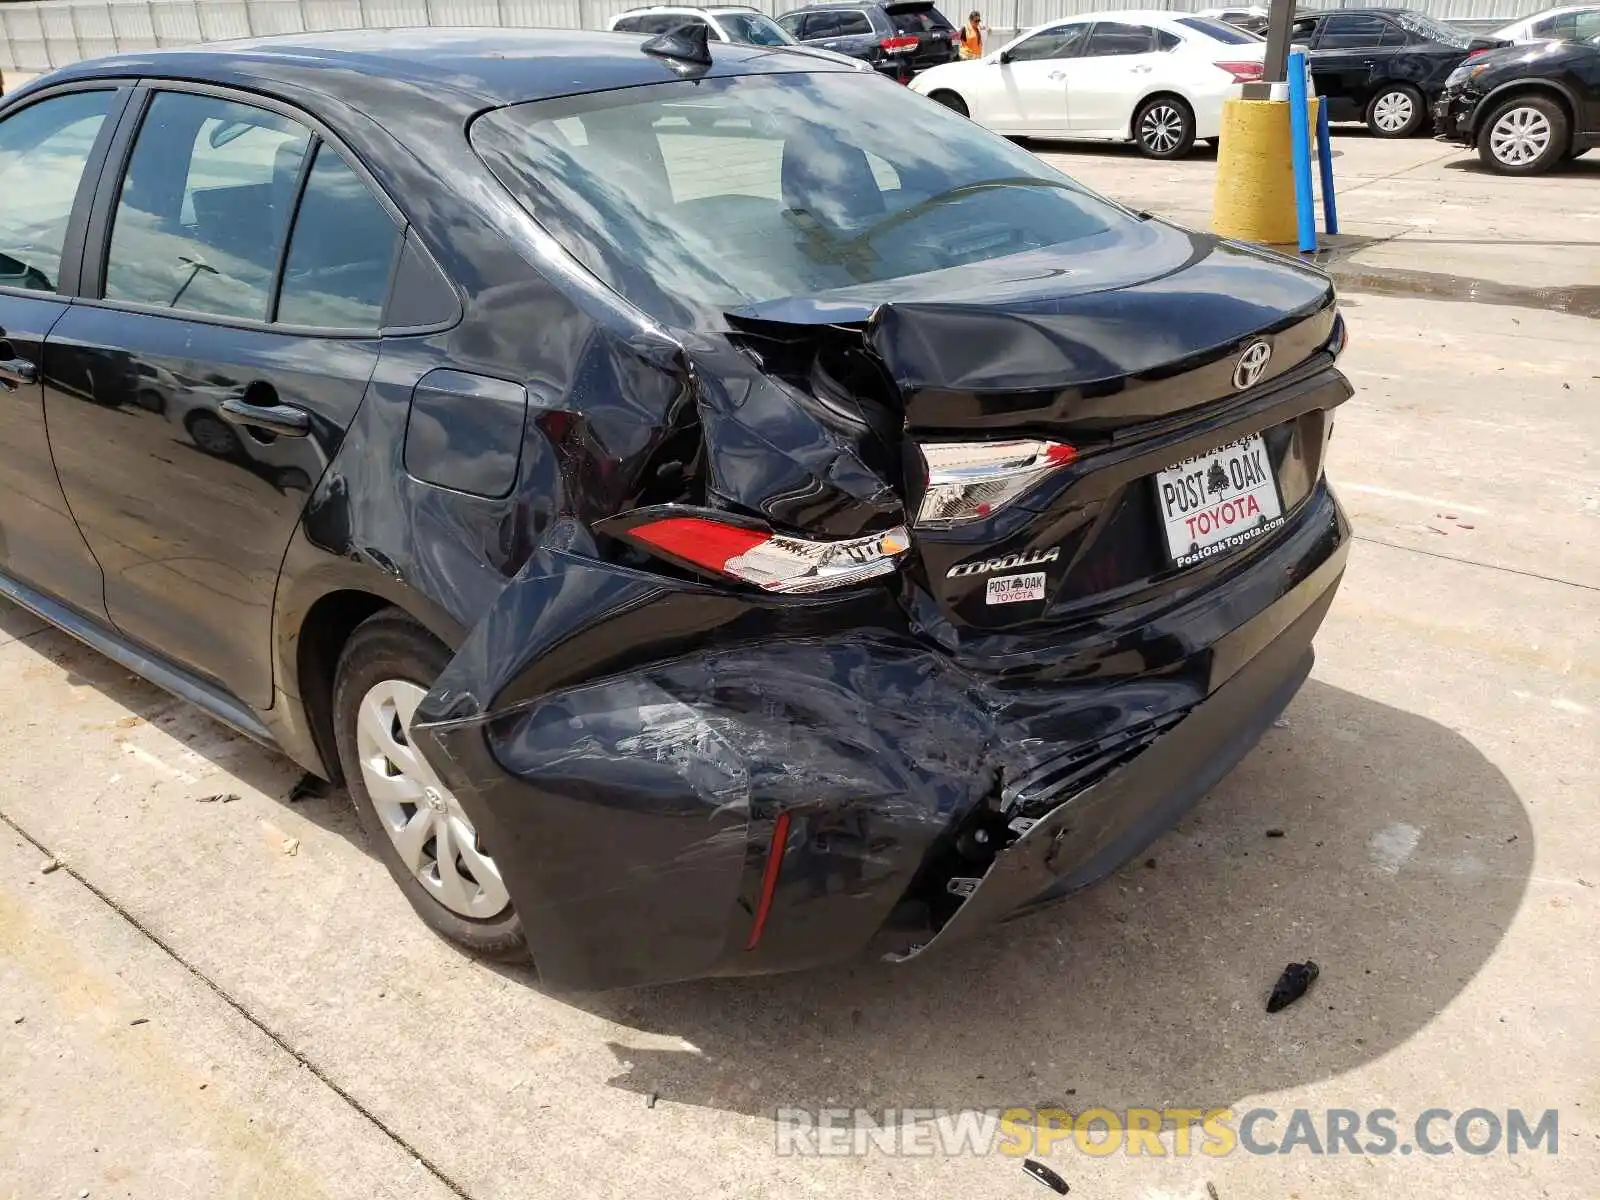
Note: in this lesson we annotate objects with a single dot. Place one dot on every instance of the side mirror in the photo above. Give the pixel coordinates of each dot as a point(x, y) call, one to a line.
point(1004, 57)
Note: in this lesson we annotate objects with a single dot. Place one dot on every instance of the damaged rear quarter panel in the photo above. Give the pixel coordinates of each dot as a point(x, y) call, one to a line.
point(629, 791)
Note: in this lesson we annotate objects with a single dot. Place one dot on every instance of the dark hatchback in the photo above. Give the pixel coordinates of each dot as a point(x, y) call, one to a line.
point(899, 37)
point(1525, 108)
point(709, 530)
point(1384, 66)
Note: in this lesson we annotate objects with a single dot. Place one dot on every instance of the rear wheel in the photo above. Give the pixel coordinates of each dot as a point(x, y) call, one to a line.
point(1164, 128)
point(951, 101)
point(1396, 112)
point(1527, 135)
point(412, 821)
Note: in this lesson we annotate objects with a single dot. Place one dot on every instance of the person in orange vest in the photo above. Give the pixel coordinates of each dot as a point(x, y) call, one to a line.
point(969, 38)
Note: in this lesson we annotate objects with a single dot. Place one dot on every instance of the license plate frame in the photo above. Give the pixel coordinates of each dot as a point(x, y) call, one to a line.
point(1217, 502)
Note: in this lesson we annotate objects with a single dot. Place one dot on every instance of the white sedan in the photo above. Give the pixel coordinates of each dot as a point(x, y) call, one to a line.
point(1157, 79)
point(1573, 23)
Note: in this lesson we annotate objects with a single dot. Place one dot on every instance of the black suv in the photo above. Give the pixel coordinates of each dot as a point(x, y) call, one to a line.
point(716, 510)
point(1384, 66)
point(898, 37)
point(1526, 108)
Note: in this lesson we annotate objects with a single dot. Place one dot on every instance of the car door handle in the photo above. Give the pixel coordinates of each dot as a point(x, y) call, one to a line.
point(1141, 69)
point(15, 372)
point(285, 420)
point(1056, 75)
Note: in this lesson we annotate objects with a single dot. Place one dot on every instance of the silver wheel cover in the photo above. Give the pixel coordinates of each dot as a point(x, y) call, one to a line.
point(1520, 136)
point(1393, 111)
point(423, 819)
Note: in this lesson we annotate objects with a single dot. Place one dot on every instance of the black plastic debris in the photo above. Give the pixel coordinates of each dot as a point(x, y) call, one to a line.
point(685, 44)
point(1211, 1190)
point(307, 787)
point(1046, 1176)
point(1292, 984)
point(1275, 833)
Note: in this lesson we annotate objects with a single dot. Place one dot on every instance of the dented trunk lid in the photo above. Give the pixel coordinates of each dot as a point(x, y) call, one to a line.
point(1127, 349)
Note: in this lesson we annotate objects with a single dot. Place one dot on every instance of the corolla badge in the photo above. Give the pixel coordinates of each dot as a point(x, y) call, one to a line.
point(1252, 365)
point(1031, 558)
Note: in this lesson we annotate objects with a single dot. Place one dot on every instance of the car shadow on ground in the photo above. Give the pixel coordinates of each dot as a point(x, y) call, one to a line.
point(1403, 859)
point(1580, 168)
point(1203, 151)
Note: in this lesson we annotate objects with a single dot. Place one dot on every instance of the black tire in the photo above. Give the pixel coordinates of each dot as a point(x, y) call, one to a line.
point(1164, 127)
point(1538, 116)
point(390, 646)
point(951, 101)
point(1396, 111)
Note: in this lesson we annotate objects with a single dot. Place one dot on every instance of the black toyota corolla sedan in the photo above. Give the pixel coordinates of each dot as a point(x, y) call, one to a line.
point(718, 512)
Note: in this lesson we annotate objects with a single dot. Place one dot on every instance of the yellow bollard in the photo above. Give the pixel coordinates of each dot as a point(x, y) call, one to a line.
point(1254, 197)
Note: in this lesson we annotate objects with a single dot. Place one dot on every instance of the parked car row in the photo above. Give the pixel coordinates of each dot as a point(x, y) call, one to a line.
point(895, 37)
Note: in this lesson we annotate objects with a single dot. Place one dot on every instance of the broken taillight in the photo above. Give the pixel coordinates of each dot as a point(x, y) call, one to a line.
point(898, 45)
point(968, 481)
point(771, 561)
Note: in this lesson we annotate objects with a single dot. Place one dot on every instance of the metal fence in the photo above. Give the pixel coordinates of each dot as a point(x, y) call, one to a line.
point(35, 37)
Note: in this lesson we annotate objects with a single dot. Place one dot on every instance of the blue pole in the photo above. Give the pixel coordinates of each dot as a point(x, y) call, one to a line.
point(1330, 207)
point(1300, 148)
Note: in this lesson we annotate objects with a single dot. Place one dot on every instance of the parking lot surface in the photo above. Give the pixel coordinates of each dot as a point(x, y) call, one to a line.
point(222, 994)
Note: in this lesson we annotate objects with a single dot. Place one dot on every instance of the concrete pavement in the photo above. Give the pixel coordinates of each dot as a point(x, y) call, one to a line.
point(1434, 782)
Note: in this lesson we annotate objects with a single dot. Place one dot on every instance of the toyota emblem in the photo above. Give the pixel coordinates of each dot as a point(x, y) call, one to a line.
point(1252, 365)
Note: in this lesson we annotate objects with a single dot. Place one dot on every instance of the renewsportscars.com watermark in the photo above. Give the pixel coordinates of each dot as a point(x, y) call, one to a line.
point(1160, 1132)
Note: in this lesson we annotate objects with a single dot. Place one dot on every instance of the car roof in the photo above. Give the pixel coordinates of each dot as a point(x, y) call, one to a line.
point(1146, 15)
point(473, 67)
point(713, 9)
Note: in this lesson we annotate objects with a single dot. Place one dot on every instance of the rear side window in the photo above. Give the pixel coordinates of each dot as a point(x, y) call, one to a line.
point(626, 25)
point(1352, 31)
point(205, 206)
point(1114, 38)
point(341, 252)
point(791, 22)
point(1301, 33)
point(46, 144)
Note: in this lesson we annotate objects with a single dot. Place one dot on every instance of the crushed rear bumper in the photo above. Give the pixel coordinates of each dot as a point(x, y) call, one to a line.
point(628, 746)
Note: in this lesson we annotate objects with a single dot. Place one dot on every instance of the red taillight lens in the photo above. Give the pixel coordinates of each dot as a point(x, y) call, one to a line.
point(694, 539)
point(898, 45)
point(1474, 53)
point(1242, 72)
point(771, 561)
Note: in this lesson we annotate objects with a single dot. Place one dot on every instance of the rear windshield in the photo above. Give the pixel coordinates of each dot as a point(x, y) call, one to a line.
point(753, 29)
point(693, 198)
point(1219, 31)
point(917, 20)
point(1433, 30)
